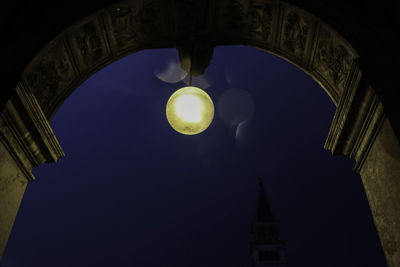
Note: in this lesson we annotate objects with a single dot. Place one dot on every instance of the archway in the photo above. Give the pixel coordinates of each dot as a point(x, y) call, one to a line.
point(277, 27)
point(108, 203)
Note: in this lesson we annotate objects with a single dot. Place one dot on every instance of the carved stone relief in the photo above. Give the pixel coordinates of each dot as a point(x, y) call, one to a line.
point(332, 60)
point(52, 73)
point(248, 19)
point(88, 45)
point(132, 23)
point(124, 27)
point(295, 34)
point(260, 20)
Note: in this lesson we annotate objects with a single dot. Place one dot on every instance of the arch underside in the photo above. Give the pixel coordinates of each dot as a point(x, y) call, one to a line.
point(128, 27)
point(271, 25)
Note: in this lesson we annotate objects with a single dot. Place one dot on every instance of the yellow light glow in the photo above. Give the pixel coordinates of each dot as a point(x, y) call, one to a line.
point(190, 110)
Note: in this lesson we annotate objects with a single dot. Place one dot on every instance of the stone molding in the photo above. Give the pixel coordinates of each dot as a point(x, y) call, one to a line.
point(291, 33)
point(131, 26)
point(342, 110)
point(26, 133)
point(272, 25)
point(357, 121)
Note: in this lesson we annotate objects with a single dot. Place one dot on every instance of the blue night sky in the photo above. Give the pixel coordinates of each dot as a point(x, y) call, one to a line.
point(133, 192)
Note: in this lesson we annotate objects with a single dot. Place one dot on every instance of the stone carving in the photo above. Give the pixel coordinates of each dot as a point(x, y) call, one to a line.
point(89, 43)
point(124, 25)
point(249, 17)
point(260, 20)
point(51, 74)
point(134, 22)
point(295, 34)
point(332, 60)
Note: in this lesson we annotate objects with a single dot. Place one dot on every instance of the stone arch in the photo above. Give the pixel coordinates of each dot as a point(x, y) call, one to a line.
point(359, 129)
point(127, 27)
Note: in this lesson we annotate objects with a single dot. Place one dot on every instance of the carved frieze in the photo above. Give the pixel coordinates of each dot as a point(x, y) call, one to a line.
point(124, 26)
point(249, 19)
point(295, 34)
point(88, 45)
point(132, 23)
point(260, 19)
point(332, 60)
point(50, 73)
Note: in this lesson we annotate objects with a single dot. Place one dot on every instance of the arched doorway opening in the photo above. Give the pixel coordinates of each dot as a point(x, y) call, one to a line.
point(126, 199)
point(359, 128)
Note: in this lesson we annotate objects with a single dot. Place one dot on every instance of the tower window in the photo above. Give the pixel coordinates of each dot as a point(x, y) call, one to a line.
point(264, 255)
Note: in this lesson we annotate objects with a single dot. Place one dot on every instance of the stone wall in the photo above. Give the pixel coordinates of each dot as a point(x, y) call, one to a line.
point(381, 178)
point(12, 187)
point(26, 141)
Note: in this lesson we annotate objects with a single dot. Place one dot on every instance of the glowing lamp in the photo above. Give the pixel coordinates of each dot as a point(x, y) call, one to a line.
point(190, 110)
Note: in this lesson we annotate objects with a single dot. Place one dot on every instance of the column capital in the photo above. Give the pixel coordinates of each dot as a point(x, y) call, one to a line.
point(357, 121)
point(26, 133)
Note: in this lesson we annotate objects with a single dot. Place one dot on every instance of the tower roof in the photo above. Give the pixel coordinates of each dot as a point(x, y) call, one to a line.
point(264, 212)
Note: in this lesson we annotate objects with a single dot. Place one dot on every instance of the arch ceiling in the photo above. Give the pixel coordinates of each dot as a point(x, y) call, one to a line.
point(127, 27)
point(361, 75)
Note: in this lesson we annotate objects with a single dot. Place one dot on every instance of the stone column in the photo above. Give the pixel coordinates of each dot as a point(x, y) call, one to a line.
point(380, 174)
point(362, 131)
point(26, 141)
point(12, 187)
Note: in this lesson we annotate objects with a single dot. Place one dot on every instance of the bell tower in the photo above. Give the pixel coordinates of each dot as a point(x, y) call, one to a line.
point(267, 249)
